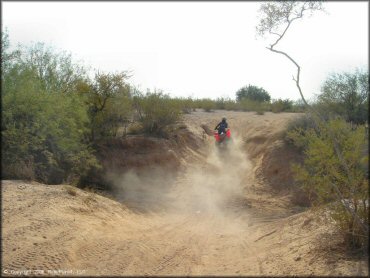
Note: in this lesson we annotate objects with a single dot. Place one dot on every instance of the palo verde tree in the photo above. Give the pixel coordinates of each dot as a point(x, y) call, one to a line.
point(108, 99)
point(276, 19)
point(55, 70)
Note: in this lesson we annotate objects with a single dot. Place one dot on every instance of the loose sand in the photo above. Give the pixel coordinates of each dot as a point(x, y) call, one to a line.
point(217, 217)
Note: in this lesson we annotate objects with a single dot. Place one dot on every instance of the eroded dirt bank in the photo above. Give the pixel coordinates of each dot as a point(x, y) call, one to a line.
point(219, 216)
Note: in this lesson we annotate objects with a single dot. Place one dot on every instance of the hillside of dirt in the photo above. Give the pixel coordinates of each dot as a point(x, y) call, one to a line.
point(217, 213)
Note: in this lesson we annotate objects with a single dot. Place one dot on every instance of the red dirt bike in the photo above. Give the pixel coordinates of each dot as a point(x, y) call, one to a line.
point(223, 139)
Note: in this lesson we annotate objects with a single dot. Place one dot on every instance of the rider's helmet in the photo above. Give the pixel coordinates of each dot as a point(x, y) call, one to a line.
point(224, 119)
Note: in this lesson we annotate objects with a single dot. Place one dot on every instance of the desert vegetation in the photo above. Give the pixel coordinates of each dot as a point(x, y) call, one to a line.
point(334, 180)
point(56, 115)
point(55, 112)
point(333, 135)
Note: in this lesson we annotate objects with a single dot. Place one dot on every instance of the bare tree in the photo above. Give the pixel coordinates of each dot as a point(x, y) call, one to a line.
point(276, 19)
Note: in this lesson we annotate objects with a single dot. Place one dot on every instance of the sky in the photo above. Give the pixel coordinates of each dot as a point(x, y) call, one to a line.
point(196, 49)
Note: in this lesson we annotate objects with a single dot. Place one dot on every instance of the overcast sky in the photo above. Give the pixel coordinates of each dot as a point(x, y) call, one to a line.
point(198, 49)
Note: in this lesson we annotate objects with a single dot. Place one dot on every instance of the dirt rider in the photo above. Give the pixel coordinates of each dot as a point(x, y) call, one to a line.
point(222, 126)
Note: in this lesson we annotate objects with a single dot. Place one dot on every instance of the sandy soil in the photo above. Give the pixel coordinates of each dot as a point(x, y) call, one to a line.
point(214, 218)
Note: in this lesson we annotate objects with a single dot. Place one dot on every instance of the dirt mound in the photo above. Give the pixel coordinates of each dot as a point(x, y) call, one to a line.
point(141, 153)
point(276, 165)
point(53, 228)
point(207, 130)
point(137, 152)
point(43, 225)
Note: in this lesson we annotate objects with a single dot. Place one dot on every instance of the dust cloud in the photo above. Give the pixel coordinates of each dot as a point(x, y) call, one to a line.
point(208, 186)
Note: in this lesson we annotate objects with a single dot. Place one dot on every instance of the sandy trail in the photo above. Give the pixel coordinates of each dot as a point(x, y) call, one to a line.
point(215, 218)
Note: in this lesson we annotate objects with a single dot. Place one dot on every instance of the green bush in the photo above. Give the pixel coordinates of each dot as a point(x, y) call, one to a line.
point(54, 70)
point(250, 105)
point(280, 105)
point(108, 103)
point(298, 107)
point(45, 132)
point(340, 182)
point(44, 124)
point(220, 103)
point(346, 94)
point(186, 105)
point(156, 111)
point(232, 105)
point(206, 104)
point(299, 126)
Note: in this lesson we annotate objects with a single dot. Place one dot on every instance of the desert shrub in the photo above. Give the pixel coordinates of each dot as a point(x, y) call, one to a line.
point(227, 104)
point(346, 94)
point(220, 103)
point(341, 184)
point(280, 105)
point(260, 112)
point(298, 125)
point(186, 105)
point(44, 124)
point(232, 105)
point(46, 132)
point(206, 104)
point(250, 105)
point(108, 103)
point(155, 111)
point(298, 107)
point(21, 169)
